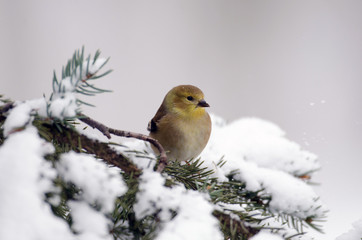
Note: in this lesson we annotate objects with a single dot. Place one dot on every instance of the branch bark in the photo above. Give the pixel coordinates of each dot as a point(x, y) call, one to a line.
point(107, 131)
point(79, 142)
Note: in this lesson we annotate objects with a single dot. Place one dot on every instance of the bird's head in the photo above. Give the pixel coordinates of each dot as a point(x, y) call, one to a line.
point(186, 100)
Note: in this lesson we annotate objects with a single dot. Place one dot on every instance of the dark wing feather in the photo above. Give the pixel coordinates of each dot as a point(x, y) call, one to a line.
point(152, 125)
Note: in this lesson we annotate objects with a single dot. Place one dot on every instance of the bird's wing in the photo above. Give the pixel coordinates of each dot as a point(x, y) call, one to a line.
point(152, 125)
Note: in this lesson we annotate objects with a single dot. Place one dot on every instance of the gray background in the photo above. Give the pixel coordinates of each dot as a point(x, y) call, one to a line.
point(296, 63)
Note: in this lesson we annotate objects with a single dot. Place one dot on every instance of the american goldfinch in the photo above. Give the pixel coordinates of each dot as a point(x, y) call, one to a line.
point(181, 124)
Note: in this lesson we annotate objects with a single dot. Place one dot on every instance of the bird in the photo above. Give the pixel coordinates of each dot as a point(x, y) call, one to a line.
point(181, 124)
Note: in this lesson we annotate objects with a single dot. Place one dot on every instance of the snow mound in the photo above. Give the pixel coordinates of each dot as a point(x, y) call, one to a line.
point(20, 115)
point(258, 141)
point(194, 218)
point(22, 191)
point(257, 153)
point(93, 177)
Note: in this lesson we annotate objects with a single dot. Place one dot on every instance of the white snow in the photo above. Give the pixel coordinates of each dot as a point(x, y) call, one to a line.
point(266, 236)
point(354, 234)
point(194, 218)
point(24, 178)
point(99, 183)
point(67, 84)
point(89, 223)
point(19, 116)
point(256, 151)
point(261, 142)
point(264, 159)
point(94, 68)
point(63, 105)
point(140, 152)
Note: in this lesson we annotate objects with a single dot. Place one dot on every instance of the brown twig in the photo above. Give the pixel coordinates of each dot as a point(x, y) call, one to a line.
point(94, 124)
point(107, 131)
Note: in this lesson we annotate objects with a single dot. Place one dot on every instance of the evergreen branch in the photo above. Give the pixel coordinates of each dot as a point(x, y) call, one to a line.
point(105, 62)
point(85, 103)
point(98, 90)
point(192, 175)
point(96, 55)
point(107, 131)
point(77, 72)
point(102, 75)
point(80, 143)
point(55, 81)
point(85, 93)
point(234, 227)
point(309, 221)
point(6, 107)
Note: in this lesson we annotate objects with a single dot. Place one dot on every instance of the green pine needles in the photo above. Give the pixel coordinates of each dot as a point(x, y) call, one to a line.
point(76, 77)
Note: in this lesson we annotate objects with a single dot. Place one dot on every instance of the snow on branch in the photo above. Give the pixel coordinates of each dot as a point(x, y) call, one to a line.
point(75, 168)
point(251, 182)
point(256, 152)
point(76, 75)
point(194, 218)
point(24, 179)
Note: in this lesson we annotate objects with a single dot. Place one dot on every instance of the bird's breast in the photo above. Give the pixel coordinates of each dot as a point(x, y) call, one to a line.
point(193, 137)
point(183, 139)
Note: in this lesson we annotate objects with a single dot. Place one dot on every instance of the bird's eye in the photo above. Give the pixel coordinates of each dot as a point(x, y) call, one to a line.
point(190, 98)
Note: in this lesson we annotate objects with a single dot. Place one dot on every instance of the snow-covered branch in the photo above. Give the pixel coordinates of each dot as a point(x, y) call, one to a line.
point(57, 182)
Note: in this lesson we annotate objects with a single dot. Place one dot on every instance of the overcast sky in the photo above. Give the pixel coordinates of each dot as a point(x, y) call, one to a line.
point(295, 63)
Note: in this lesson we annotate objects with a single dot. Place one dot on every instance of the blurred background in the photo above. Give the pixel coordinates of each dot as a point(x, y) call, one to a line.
point(295, 63)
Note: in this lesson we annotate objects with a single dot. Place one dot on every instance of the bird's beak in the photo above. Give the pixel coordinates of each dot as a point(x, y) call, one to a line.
point(203, 103)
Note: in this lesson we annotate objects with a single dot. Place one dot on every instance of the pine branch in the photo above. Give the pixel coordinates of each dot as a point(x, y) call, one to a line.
point(79, 142)
point(193, 175)
point(107, 131)
point(234, 228)
point(6, 107)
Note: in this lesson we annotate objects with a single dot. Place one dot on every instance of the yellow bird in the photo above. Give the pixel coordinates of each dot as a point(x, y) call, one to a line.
point(181, 124)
